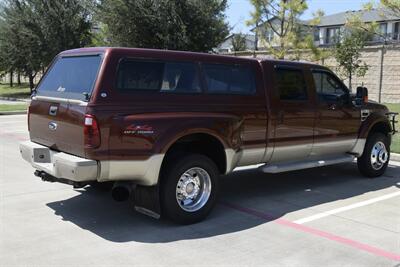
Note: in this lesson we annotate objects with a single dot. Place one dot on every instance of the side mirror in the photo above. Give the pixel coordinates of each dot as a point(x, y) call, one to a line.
point(361, 95)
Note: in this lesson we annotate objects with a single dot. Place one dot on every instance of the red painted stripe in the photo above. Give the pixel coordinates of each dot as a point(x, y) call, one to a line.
point(306, 229)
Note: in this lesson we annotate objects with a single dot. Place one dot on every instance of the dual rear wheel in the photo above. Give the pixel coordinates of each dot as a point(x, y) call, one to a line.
point(189, 189)
point(190, 186)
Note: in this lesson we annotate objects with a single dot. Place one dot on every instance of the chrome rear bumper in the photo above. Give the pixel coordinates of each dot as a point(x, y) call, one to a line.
point(65, 166)
point(59, 164)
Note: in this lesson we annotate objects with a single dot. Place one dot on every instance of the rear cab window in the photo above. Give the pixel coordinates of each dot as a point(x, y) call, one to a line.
point(291, 84)
point(71, 77)
point(229, 79)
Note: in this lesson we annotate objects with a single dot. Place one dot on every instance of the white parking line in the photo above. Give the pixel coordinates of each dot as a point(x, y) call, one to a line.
point(346, 208)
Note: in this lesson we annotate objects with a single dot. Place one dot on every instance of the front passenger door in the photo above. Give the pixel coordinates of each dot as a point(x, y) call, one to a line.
point(338, 120)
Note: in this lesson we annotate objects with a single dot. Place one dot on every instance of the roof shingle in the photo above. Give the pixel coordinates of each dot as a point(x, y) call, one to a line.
point(366, 16)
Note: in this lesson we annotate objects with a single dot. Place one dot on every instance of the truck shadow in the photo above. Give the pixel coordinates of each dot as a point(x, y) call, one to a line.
point(276, 195)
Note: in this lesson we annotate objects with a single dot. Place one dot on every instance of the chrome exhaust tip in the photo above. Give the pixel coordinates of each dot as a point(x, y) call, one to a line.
point(122, 191)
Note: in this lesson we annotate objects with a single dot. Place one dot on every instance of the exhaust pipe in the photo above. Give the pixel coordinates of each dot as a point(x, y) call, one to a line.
point(121, 191)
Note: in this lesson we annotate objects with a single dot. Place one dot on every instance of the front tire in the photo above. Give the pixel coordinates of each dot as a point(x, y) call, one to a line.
point(189, 188)
point(375, 158)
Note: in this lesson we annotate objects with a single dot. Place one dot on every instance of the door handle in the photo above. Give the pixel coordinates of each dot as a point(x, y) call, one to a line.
point(332, 107)
point(280, 117)
point(53, 110)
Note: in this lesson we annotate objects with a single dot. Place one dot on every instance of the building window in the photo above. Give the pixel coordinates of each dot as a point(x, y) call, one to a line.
point(382, 32)
point(383, 28)
point(316, 34)
point(332, 34)
point(269, 35)
point(396, 31)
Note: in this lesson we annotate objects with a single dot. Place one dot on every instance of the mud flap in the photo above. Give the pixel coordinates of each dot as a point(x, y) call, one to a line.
point(147, 200)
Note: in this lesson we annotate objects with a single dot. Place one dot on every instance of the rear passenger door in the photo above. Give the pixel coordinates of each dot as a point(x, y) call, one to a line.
point(294, 111)
point(237, 89)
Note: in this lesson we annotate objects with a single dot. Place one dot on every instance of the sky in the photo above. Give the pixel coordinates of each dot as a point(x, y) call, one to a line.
point(238, 11)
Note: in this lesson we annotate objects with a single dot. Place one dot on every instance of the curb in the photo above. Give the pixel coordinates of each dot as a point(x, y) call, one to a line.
point(17, 112)
point(15, 99)
point(395, 157)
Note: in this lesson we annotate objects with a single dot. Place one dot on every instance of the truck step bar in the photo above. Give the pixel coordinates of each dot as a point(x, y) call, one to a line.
point(306, 164)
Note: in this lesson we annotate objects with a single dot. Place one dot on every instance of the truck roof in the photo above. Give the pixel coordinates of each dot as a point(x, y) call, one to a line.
point(181, 54)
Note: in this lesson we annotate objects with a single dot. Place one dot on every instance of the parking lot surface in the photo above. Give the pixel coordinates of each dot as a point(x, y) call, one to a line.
point(329, 216)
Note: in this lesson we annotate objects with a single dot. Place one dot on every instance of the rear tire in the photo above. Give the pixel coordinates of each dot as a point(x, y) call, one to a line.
point(375, 158)
point(189, 188)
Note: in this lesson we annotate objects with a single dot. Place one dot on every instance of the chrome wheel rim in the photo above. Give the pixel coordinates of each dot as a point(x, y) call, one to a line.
point(379, 155)
point(193, 189)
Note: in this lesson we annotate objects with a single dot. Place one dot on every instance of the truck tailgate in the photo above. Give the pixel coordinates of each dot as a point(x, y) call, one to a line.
point(58, 126)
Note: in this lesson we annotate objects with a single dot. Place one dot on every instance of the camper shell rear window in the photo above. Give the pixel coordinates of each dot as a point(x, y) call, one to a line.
point(71, 77)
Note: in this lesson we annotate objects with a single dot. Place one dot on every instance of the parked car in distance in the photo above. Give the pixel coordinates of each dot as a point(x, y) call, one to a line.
point(163, 126)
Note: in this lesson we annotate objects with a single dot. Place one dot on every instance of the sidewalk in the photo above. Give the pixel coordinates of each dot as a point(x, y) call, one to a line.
point(395, 157)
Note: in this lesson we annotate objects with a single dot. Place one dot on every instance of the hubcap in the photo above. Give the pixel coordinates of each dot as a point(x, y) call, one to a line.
point(379, 155)
point(193, 189)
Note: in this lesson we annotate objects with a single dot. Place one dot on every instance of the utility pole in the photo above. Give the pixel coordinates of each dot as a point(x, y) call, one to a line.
point(380, 73)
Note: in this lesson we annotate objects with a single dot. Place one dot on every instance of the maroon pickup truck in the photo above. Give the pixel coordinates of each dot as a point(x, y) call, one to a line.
point(162, 126)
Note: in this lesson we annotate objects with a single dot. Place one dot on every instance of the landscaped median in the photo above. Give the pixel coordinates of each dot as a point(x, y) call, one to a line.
point(16, 92)
point(8, 97)
point(396, 138)
point(13, 108)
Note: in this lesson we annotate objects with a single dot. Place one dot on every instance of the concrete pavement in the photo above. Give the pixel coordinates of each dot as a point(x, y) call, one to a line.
point(329, 216)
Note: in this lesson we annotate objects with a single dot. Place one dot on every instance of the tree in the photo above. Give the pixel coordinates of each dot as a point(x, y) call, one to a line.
point(4, 63)
point(301, 40)
point(347, 52)
point(61, 24)
point(165, 24)
point(19, 46)
point(281, 17)
point(33, 32)
point(239, 42)
point(393, 5)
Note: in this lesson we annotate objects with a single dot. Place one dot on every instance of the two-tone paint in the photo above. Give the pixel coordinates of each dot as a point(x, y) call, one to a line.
point(138, 129)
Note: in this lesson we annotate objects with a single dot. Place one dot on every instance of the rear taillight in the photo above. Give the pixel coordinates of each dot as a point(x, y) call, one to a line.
point(29, 117)
point(91, 132)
